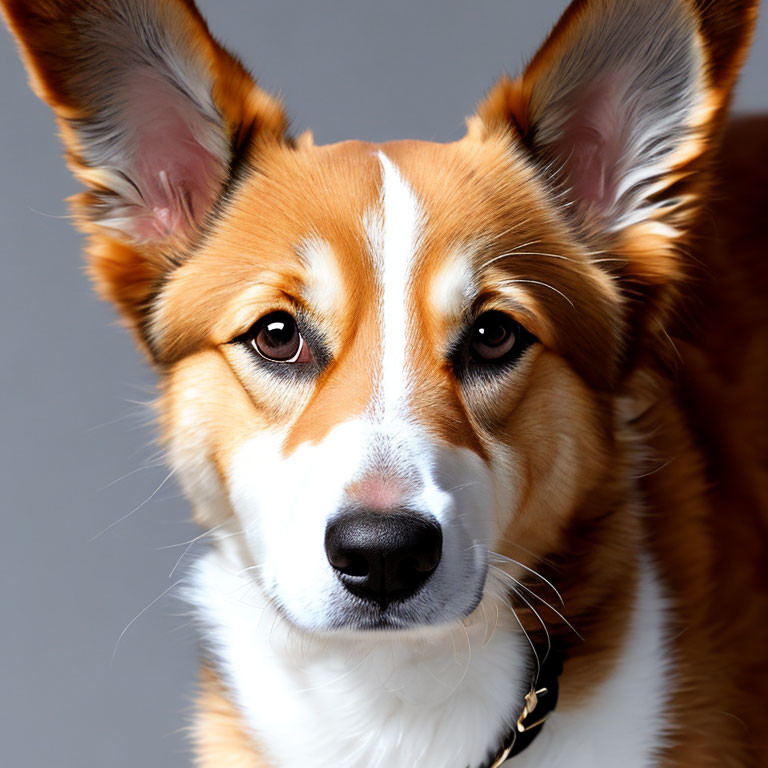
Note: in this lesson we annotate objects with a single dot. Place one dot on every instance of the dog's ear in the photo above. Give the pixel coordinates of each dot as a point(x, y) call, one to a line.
point(152, 111)
point(619, 110)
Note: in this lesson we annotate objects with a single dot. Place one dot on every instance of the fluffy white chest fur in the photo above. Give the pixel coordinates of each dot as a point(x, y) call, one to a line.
point(441, 701)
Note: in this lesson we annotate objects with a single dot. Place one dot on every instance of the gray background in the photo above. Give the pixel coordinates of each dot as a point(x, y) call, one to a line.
point(72, 389)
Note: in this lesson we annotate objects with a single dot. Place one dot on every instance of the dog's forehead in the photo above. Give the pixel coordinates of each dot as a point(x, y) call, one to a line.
point(328, 201)
point(365, 235)
point(332, 224)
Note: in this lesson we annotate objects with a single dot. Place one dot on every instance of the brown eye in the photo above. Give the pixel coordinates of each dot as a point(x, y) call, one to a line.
point(276, 337)
point(494, 338)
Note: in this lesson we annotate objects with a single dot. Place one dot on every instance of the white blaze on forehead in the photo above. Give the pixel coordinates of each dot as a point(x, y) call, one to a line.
point(393, 233)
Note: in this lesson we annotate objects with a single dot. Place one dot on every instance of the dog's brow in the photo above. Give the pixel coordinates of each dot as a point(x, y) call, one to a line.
point(323, 282)
point(453, 285)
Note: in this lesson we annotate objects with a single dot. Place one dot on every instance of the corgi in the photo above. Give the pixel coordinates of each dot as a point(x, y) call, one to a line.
point(478, 429)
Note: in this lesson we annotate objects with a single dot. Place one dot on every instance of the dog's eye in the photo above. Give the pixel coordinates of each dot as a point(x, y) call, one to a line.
point(496, 338)
point(276, 337)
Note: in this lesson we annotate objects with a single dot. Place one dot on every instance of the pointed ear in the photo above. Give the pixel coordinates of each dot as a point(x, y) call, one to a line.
point(152, 112)
point(619, 109)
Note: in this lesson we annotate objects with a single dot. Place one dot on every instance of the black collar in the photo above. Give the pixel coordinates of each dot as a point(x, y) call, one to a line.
point(540, 701)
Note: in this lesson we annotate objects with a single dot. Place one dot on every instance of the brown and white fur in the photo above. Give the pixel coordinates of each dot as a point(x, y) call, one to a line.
point(607, 488)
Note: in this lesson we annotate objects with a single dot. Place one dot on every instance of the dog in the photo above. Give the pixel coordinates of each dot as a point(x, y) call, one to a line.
point(478, 429)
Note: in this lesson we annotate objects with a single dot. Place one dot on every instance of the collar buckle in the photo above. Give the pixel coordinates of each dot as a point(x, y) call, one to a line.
point(531, 704)
point(538, 705)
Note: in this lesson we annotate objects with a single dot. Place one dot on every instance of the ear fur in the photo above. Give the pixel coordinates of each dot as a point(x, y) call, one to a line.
point(619, 110)
point(152, 111)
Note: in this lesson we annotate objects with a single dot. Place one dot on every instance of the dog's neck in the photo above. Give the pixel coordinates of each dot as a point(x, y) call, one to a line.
point(441, 699)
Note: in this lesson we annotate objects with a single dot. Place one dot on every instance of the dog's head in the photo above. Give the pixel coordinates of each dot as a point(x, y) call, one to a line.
point(385, 367)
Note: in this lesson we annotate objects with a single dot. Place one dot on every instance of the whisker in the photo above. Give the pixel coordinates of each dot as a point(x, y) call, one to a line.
point(495, 626)
point(674, 346)
point(189, 546)
point(653, 471)
point(141, 613)
point(463, 486)
point(229, 535)
point(530, 642)
point(539, 558)
point(521, 246)
point(607, 260)
point(151, 465)
point(487, 626)
point(135, 509)
point(145, 421)
point(258, 566)
point(143, 403)
point(531, 571)
point(538, 282)
point(543, 625)
point(509, 230)
point(540, 599)
point(509, 254)
point(469, 660)
point(61, 216)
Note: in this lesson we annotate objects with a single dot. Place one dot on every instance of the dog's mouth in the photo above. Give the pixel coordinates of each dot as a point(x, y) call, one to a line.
point(433, 606)
point(380, 621)
point(401, 616)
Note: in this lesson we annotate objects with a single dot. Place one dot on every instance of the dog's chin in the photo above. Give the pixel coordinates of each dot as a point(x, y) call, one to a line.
point(353, 617)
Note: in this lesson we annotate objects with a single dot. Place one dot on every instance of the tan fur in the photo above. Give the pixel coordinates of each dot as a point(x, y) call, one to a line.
point(219, 738)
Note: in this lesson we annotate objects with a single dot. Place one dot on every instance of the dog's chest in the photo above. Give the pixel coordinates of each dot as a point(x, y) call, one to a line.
point(340, 704)
point(623, 723)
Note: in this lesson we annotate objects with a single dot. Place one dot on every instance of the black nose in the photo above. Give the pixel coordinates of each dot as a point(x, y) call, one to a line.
point(382, 556)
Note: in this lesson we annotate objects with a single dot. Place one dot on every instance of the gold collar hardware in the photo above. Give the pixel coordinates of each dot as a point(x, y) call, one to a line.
point(539, 704)
point(531, 702)
point(503, 756)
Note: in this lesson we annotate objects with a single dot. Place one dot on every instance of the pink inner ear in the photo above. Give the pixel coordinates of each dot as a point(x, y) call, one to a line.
point(590, 145)
point(175, 174)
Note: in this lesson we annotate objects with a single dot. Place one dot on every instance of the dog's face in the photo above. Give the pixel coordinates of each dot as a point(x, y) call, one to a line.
point(383, 367)
point(384, 344)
